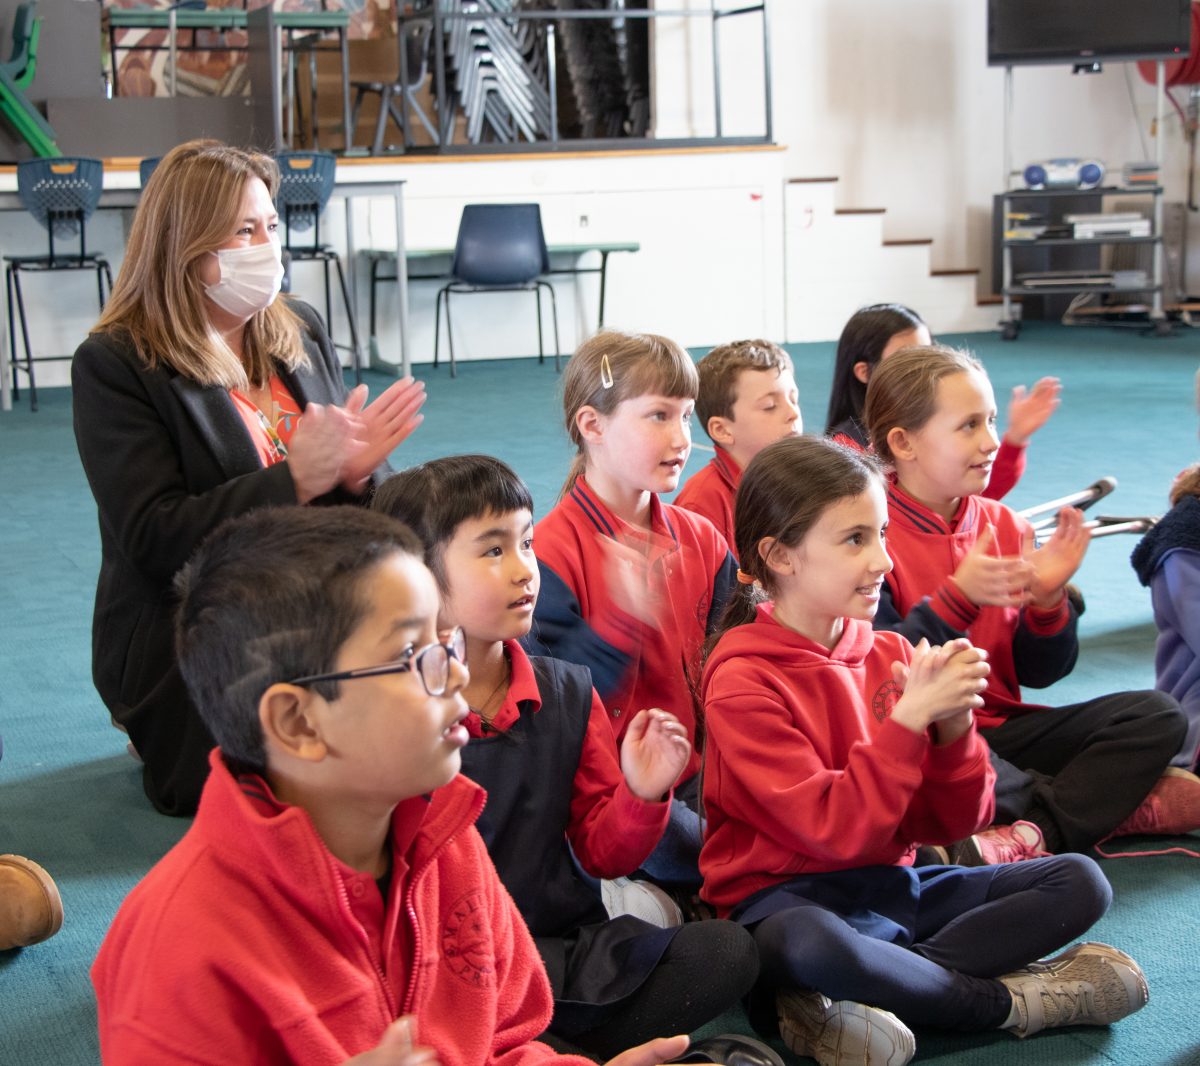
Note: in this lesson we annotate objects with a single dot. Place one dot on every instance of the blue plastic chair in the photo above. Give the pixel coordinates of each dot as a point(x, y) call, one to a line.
point(61, 194)
point(306, 181)
point(500, 248)
point(146, 168)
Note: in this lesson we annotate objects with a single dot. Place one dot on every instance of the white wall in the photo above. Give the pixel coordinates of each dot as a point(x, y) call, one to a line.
point(897, 101)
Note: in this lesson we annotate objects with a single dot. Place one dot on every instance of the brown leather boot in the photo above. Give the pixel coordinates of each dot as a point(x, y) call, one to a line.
point(30, 907)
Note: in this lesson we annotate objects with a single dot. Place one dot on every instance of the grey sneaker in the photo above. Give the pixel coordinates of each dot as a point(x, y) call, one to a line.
point(1089, 984)
point(842, 1033)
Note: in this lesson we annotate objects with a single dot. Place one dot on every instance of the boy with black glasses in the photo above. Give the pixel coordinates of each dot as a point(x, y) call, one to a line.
point(333, 901)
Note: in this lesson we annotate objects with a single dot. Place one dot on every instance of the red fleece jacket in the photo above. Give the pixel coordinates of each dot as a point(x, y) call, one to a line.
point(250, 943)
point(805, 772)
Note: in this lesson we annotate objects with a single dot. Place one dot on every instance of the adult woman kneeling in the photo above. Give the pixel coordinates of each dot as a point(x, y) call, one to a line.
point(199, 396)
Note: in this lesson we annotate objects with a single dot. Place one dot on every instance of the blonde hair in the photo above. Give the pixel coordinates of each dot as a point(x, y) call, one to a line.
point(190, 207)
point(902, 391)
point(611, 367)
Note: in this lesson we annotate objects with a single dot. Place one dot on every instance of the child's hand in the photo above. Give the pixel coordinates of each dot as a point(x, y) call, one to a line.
point(940, 685)
point(1056, 561)
point(396, 1048)
point(653, 1053)
point(628, 578)
point(993, 580)
point(1028, 412)
point(654, 752)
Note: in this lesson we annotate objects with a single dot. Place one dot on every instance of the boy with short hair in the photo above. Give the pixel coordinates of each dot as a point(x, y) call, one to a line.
point(332, 901)
point(748, 399)
point(542, 748)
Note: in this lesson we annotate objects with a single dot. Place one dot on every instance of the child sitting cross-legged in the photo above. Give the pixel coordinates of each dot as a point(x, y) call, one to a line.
point(333, 901)
point(1069, 777)
point(832, 748)
point(542, 747)
point(747, 400)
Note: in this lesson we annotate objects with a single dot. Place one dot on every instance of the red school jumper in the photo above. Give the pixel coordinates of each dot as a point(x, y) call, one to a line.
point(711, 490)
point(690, 574)
point(1027, 645)
point(250, 943)
point(805, 772)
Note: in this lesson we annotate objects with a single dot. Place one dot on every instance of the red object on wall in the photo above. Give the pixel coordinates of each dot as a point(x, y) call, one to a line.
point(1179, 71)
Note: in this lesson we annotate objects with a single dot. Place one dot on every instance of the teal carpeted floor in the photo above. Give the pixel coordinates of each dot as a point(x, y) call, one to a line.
point(70, 797)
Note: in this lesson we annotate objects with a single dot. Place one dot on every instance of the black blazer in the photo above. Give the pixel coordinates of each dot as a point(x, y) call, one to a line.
point(167, 461)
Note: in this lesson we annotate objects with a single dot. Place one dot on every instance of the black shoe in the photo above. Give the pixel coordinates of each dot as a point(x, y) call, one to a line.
point(732, 1049)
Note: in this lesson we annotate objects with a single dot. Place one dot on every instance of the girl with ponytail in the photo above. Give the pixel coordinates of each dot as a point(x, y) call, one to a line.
point(832, 748)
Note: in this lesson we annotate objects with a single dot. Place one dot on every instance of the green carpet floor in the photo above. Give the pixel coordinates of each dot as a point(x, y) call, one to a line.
point(71, 798)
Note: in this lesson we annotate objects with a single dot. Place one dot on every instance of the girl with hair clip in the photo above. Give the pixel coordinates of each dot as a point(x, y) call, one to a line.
point(199, 396)
point(631, 586)
point(831, 749)
point(1069, 777)
point(873, 334)
point(1167, 561)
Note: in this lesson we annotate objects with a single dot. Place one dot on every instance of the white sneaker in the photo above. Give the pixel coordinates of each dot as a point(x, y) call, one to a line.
point(842, 1033)
point(1089, 984)
point(641, 899)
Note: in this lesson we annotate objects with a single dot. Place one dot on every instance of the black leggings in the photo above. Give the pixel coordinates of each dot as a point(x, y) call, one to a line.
point(1077, 772)
point(947, 978)
point(706, 969)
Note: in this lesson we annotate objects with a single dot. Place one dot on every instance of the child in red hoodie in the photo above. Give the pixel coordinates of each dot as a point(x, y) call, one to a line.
point(831, 749)
point(1069, 777)
point(333, 901)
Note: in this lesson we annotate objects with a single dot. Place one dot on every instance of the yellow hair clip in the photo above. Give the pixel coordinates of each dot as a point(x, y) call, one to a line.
point(606, 378)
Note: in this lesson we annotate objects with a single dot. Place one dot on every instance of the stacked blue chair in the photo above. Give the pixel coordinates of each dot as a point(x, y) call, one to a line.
point(62, 194)
point(306, 182)
point(500, 248)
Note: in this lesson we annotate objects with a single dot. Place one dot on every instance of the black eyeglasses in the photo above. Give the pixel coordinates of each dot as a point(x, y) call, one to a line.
point(432, 664)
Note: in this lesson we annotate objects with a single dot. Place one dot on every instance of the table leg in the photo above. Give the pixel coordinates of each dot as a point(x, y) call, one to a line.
point(352, 283)
point(291, 92)
point(348, 125)
point(603, 280)
point(402, 280)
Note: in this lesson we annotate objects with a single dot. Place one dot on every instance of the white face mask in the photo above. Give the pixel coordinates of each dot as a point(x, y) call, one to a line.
point(250, 279)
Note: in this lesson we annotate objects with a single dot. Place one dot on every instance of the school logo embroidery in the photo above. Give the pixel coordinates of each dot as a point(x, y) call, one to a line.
point(885, 699)
point(466, 941)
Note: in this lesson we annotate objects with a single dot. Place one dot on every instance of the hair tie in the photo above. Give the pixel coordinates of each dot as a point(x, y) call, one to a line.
point(746, 579)
point(606, 378)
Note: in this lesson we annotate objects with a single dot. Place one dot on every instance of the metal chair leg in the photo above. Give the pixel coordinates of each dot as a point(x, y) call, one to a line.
point(437, 324)
point(374, 280)
point(450, 337)
point(328, 299)
point(12, 331)
point(16, 276)
point(385, 97)
point(554, 314)
point(537, 295)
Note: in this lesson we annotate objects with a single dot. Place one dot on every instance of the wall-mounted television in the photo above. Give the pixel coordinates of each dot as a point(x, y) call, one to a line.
point(1082, 31)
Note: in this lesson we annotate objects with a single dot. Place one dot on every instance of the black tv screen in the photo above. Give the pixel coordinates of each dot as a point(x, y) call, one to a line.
point(1075, 31)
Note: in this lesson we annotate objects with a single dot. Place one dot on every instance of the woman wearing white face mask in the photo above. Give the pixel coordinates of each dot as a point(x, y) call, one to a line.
point(200, 395)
